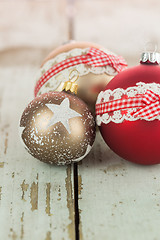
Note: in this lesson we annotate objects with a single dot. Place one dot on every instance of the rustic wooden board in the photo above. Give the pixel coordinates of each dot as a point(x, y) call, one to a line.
point(32, 23)
point(118, 199)
point(36, 199)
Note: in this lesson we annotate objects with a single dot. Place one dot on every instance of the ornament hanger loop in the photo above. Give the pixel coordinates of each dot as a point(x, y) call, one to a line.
point(73, 75)
point(150, 47)
point(71, 85)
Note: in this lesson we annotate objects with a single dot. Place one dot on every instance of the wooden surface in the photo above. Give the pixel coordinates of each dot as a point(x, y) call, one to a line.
point(36, 200)
point(118, 199)
point(104, 197)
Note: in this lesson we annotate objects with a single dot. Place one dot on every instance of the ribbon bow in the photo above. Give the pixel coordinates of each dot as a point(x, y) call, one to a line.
point(94, 57)
point(151, 106)
point(98, 58)
point(148, 105)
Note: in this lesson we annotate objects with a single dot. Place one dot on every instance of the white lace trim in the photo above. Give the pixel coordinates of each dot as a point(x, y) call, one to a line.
point(80, 70)
point(119, 116)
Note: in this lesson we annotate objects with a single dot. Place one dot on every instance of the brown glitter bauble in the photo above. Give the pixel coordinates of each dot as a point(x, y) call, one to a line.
point(57, 127)
point(90, 80)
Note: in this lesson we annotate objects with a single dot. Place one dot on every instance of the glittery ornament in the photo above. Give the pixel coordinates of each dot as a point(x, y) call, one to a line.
point(57, 127)
point(128, 112)
point(90, 76)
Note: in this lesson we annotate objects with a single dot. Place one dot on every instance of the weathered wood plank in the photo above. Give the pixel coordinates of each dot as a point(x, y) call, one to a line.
point(36, 199)
point(117, 199)
point(32, 23)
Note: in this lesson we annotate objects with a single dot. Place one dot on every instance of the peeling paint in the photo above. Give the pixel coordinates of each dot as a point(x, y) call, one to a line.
point(22, 226)
point(115, 167)
point(5, 127)
point(80, 188)
point(1, 164)
point(11, 210)
point(6, 143)
point(59, 193)
point(80, 185)
point(34, 196)
point(24, 187)
point(70, 204)
point(13, 235)
point(22, 217)
point(48, 193)
point(48, 236)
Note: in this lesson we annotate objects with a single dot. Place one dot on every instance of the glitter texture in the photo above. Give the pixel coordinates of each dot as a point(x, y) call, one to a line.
point(50, 141)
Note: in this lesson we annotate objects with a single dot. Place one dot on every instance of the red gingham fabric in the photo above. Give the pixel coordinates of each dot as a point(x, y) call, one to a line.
point(94, 57)
point(148, 105)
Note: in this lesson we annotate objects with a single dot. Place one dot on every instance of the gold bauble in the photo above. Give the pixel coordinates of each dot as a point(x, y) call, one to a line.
point(90, 80)
point(57, 127)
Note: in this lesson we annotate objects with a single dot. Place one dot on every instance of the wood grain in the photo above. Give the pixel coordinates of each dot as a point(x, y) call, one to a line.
point(32, 23)
point(36, 199)
point(117, 199)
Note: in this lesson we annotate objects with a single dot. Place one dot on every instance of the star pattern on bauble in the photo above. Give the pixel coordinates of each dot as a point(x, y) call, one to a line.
point(62, 113)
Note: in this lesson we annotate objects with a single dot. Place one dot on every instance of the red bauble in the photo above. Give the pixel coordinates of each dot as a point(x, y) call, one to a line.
point(139, 140)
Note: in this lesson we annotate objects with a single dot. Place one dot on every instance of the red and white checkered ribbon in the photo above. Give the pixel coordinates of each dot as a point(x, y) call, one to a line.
point(148, 105)
point(94, 57)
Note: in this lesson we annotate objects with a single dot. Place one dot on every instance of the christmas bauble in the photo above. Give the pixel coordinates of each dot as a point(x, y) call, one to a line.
point(88, 65)
point(128, 112)
point(58, 128)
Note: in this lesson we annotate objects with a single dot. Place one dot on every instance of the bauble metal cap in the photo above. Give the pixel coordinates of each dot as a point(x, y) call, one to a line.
point(150, 58)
